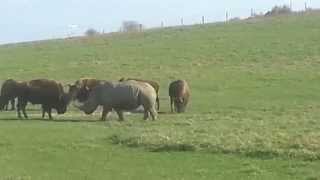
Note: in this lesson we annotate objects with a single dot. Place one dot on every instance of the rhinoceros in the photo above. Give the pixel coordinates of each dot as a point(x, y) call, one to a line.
point(121, 96)
point(154, 84)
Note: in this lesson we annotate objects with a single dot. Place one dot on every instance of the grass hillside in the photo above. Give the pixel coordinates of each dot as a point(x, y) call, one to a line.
point(254, 112)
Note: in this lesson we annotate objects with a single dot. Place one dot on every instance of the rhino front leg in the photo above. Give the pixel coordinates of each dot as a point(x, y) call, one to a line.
point(120, 114)
point(105, 112)
point(146, 114)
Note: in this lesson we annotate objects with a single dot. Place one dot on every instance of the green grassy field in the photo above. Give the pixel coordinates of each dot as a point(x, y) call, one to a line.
point(254, 112)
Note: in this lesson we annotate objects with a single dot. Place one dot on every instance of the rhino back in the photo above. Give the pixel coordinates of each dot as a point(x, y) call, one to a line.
point(119, 95)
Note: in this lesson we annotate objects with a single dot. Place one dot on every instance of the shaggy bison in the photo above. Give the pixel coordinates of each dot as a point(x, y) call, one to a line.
point(121, 96)
point(154, 84)
point(48, 93)
point(179, 93)
point(10, 90)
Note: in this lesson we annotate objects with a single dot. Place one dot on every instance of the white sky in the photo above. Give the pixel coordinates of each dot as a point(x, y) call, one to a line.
point(27, 20)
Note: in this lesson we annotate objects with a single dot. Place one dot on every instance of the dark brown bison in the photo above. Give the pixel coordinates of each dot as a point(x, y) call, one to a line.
point(48, 93)
point(10, 90)
point(154, 84)
point(81, 88)
point(179, 93)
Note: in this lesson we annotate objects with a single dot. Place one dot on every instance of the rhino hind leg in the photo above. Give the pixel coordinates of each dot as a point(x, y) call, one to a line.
point(146, 114)
point(153, 113)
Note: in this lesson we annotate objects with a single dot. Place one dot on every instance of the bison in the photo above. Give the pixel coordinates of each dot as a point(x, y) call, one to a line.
point(48, 93)
point(10, 90)
point(81, 88)
point(121, 96)
point(154, 84)
point(179, 93)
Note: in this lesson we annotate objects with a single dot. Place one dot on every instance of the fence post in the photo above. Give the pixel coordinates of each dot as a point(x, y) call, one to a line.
point(202, 19)
point(305, 6)
point(227, 16)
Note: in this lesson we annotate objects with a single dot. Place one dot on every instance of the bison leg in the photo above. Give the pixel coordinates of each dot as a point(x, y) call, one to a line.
point(6, 107)
point(120, 114)
point(171, 103)
point(49, 113)
point(22, 103)
point(105, 112)
point(12, 104)
point(44, 110)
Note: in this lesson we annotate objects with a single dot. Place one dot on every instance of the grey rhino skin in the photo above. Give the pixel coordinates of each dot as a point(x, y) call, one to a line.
point(121, 96)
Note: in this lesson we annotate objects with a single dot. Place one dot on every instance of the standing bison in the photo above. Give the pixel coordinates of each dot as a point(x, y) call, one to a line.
point(154, 84)
point(10, 90)
point(121, 96)
point(48, 93)
point(179, 93)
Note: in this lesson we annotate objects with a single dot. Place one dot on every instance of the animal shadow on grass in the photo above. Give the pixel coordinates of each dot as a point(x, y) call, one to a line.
point(47, 120)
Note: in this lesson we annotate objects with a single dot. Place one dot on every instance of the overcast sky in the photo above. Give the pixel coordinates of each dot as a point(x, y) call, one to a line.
point(27, 20)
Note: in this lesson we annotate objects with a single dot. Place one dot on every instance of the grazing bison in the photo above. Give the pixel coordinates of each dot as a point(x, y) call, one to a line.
point(48, 93)
point(82, 88)
point(10, 90)
point(121, 96)
point(154, 84)
point(179, 93)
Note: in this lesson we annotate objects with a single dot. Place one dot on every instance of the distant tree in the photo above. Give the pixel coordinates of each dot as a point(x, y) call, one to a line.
point(91, 32)
point(235, 19)
point(279, 10)
point(131, 26)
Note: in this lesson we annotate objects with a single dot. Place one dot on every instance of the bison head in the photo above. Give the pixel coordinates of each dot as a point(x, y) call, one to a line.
point(63, 103)
point(180, 105)
point(79, 93)
point(87, 107)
